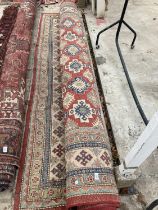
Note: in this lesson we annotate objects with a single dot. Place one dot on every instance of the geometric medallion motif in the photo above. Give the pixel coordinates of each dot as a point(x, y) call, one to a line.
point(75, 66)
point(59, 115)
point(79, 85)
point(72, 50)
point(83, 158)
point(82, 111)
point(59, 150)
point(59, 171)
point(70, 36)
point(105, 157)
point(68, 23)
point(59, 131)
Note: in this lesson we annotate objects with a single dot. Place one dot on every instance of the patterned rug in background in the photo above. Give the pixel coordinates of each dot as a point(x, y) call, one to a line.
point(41, 183)
point(12, 89)
point(6, 26)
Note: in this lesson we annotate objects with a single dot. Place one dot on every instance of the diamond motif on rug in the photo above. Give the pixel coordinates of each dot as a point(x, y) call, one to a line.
point(59, 116)
point(70, 36)
point(83, 158)
point(59, 170)
point(79, 85)
point(72, 50)
point(75, 66)
point(59, 150)
point(82, 111)
point(106, 158)
point(59, 131)
point(58, 90)
point(68, 23)
point(58, 101)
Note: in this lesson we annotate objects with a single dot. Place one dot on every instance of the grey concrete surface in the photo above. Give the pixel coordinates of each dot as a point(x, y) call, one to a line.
point(142, 63)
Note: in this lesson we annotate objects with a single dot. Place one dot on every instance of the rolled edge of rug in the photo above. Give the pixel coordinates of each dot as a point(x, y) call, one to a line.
point(7, 175)
point(12, 90)
point(89, 173)
point(6, 26)
point(10, 145)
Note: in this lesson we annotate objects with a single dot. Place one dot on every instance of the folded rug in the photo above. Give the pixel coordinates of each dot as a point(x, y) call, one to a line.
point(6, 25)
point(12, 89)
point(66, 160)
point(90, 181)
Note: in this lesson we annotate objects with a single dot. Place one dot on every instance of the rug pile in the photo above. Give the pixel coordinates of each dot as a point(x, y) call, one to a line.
point(66, 160)
point(12, 89)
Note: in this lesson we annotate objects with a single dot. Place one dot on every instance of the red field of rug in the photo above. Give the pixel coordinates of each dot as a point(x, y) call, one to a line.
point(12, 89)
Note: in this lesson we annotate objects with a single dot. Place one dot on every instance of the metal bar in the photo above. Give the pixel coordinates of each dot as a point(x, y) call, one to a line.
point(152, 205)
point(120, 22)
point(135, 34)
point(105, 29)
point(124, 65)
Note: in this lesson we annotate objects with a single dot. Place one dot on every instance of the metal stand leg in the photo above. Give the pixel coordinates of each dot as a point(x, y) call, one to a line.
point(120, 22)
point(117, 22)
point(135, 34)
point(105, 29)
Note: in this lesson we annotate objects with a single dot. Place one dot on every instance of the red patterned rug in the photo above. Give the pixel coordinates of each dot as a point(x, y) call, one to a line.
point(6, 26)
point(90, 181)
point(12, 89)
point(66, 160)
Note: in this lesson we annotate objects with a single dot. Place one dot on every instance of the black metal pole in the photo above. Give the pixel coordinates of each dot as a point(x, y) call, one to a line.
point(120, 22)
point(105, 29)
point(152, 205)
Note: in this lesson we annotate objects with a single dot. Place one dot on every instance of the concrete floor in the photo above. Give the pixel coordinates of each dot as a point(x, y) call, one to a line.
point(142, 63)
